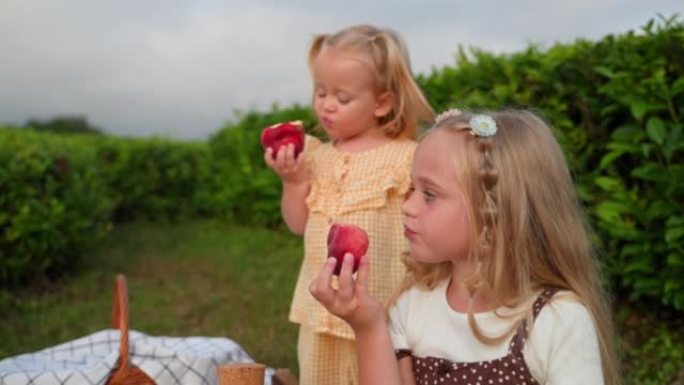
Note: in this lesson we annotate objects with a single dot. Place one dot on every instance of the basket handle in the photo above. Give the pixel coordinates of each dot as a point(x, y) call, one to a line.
point(120, 318)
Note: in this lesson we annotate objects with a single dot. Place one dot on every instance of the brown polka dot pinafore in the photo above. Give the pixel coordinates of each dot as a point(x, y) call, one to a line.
point(509, 369)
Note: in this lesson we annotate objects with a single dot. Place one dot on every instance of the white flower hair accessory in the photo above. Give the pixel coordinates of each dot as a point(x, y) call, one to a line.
point(450, 113)
point(482, 125)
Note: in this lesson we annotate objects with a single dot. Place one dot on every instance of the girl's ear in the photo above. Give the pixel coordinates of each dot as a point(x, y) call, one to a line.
point(384, 104)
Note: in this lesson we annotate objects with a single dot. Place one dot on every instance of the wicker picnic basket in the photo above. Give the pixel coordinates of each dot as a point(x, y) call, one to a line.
point(124, 373)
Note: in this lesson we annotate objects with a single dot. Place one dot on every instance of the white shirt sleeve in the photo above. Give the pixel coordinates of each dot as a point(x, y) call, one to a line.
point(397, 322)
point(563, 347)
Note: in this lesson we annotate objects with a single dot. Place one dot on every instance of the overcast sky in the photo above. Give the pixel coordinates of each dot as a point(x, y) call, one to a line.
point(180, 68)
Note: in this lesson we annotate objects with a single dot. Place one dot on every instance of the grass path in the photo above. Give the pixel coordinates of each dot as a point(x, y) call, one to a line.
point(201, 278)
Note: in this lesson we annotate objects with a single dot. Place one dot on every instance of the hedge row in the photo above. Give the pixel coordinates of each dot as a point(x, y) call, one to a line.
point(53, 204)
point(61, 193)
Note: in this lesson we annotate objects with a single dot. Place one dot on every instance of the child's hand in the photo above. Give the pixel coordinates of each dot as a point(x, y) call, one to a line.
point(351, 301)
point(284, 163)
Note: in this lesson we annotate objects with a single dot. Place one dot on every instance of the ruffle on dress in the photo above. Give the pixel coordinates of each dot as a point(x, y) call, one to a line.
point(337, 192)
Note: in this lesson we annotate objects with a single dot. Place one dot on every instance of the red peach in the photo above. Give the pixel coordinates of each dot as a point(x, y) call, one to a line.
point(281, 134)
point(344, 239)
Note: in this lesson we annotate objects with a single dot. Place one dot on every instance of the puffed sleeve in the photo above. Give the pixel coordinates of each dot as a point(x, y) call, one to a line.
point(381, 181)
point(403, 176)
point(311, 143)
point(397, 323)
point(563, 347)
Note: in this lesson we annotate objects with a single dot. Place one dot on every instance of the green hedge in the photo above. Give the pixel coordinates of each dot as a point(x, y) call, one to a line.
point(53, 204)
point(157, 179)
point(61, 193)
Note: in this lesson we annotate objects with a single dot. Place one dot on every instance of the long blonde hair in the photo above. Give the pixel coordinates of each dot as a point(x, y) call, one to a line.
point(391, 67)
point(526, 224)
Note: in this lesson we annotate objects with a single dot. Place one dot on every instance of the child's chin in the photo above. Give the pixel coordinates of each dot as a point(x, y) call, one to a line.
point(422, 257)
point(416, 255)
point(332, 135)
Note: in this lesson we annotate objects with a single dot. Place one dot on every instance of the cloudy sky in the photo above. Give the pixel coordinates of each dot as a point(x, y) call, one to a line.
point(180, 68)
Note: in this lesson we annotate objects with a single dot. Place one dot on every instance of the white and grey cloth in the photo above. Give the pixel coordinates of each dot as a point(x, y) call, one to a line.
point(90, 359)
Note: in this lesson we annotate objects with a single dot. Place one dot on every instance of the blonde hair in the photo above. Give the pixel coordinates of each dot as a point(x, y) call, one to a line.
point(391, 68)
point(526, 224)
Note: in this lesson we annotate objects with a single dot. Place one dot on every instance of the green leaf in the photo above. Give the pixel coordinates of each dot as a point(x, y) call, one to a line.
point(609, 158)
point(678, 300)
point(675, 260)
point(605, 71)
point(674, 233)
point(672, 285)
point(674, 142)
point(610, 109)
point(611, 211)
point(639, 109)
point(651, 172)
point(633, 249)
point(677, 86)
point(624, 231)
point(658, 210)
point(624, 147)
point(608, 183)
point(677, 174)
point(675, 221)
point(650, 286)
point(629, 133)
point(646, 149)
point(642, 265)
point(655, 128)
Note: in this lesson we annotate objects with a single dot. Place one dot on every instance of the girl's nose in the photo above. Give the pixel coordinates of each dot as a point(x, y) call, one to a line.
point(329, 104)
point(408, 207)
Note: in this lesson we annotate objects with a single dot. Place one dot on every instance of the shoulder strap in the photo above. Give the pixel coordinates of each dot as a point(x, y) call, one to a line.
point(520, 336)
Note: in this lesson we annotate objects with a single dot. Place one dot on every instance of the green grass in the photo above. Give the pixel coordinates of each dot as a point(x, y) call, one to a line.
point(207, 278)
point(201, 278)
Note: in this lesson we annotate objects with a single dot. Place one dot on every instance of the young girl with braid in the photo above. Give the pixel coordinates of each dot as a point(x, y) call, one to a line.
point(502, 285)
point(369, 105)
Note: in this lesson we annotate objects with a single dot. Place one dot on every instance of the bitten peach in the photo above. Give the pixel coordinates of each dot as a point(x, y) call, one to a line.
point(282, 134)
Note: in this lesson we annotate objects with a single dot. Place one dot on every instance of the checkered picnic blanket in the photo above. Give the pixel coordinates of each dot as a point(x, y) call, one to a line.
point(90, 359)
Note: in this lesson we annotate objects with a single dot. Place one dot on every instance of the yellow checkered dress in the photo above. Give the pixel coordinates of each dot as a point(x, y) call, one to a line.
point(365, 189)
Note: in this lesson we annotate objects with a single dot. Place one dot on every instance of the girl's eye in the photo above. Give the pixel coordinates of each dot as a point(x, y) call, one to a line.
point(429, 195)
point(343, 99)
